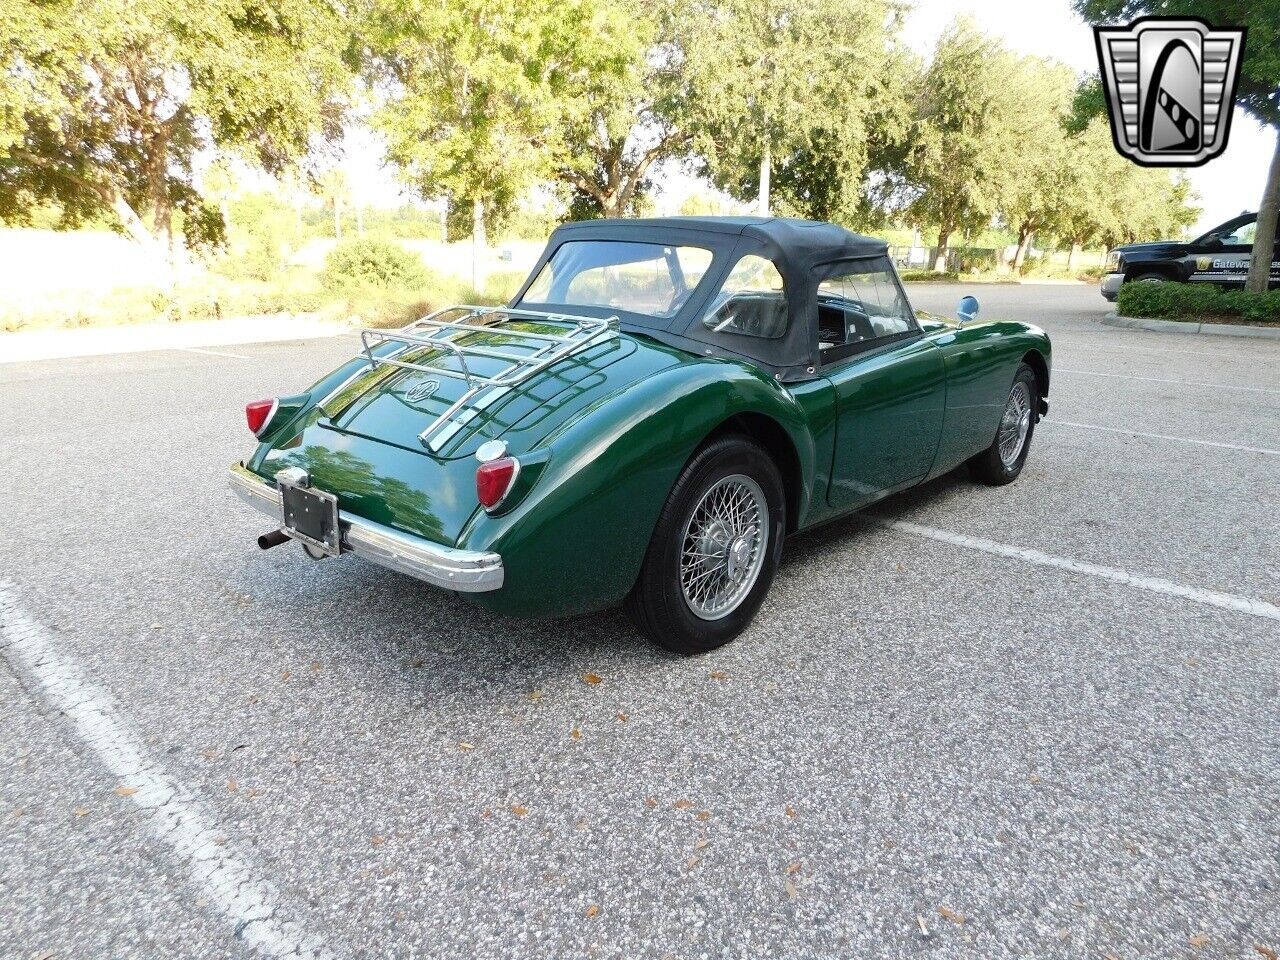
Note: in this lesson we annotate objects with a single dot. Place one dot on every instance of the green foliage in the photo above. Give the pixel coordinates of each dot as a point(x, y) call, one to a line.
point(1039, 182)
point(637, 106)
point(1198, 301)
point(483, 88)
point(926, 276)
point(1019, 138)
point(368, 262)
point(818, 87)
point(104, 106)
point(1088, 103)
point(963, 135)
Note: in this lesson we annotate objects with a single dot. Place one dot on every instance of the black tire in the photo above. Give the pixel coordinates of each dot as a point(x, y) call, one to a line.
point(657, 603)
point(989, 467)
point(1148, 278)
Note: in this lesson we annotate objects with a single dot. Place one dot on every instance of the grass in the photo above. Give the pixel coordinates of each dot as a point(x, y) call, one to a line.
point(274, 265)
point(214, 295)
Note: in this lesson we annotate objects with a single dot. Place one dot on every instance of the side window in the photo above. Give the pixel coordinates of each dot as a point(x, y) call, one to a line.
point(752, 302)
point(860, 303)
point(1242, 235)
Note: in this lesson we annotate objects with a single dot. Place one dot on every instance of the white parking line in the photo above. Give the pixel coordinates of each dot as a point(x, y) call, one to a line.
point(176, 817)
point(1185, 383)
point(1212, 598)
point(1164, 436)
point(214, 353)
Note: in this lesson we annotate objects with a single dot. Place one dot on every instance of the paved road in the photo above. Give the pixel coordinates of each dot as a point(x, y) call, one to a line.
point(1024, 721)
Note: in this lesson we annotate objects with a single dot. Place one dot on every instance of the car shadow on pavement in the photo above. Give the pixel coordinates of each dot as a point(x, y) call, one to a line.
point(817, 542)
point(405, 634)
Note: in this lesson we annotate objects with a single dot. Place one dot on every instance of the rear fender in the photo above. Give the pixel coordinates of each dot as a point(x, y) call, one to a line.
point(575, 543)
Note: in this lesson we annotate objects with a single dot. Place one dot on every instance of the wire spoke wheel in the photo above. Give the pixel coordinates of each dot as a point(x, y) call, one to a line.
point(1015, 424)
point(723, 548)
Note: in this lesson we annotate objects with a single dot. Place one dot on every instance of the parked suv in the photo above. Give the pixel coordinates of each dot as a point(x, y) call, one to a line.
point(1221, 256)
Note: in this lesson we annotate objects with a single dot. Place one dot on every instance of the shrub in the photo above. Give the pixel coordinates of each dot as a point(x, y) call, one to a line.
point(921, 276)
point(371, 262)
point(977, 260)
point(1197, 301)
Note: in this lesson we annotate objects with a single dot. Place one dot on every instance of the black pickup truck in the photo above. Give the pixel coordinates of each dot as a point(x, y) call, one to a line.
point(1221, 256)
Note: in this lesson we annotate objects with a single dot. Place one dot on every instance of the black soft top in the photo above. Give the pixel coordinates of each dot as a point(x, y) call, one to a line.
point(802, 250)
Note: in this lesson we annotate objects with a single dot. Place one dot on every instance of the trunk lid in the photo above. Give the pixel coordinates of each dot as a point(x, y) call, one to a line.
point(363, 445)
point(395, 405)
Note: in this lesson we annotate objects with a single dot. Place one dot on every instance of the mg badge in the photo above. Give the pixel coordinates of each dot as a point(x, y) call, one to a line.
point(422, 390)
point(1171, 84)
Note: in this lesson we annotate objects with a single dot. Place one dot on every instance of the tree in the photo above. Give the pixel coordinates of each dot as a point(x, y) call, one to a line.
point(1258, 91)
point(963, 138)
point(636, 103)
point(336, 193)
point(106, 105)
point(481, 90)
point(1040, 172)
point(1103, 198)
point(795, 96)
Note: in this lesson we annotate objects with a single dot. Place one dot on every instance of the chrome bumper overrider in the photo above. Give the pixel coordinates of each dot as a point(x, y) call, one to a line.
point(1111, 284)
point(468, 571)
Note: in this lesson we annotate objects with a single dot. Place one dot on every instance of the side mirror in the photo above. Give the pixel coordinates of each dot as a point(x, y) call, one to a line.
point(967, 310)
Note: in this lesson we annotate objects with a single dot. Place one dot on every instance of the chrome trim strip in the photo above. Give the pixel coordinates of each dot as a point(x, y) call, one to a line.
point(467, 571)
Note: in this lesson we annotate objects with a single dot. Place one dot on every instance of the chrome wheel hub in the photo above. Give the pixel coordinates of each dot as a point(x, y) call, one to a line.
point(1015, 424)
point(723, 548)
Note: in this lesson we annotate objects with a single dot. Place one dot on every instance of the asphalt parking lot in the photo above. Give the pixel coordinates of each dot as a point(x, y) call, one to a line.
point(1038, 721)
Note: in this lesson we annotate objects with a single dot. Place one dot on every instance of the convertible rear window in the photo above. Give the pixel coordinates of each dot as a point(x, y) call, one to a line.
point(647, 278)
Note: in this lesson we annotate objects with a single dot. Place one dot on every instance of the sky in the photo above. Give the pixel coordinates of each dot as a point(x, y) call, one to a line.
point(1226, 185)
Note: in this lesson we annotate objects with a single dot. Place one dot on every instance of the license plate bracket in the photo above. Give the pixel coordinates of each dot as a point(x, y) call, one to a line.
point(309, 515)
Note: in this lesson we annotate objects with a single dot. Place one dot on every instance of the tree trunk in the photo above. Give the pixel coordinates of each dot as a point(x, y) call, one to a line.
point(1264, 240)
point(940, 262)
point(478, 243)
point(1072, 254)
point(766, 162)
point(132, 223)
point(1024, 243)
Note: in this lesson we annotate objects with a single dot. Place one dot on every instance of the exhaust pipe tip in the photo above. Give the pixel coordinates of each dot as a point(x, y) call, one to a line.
point(272, 539)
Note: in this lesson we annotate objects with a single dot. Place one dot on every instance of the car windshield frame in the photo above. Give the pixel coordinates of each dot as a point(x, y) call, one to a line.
point(591, 254)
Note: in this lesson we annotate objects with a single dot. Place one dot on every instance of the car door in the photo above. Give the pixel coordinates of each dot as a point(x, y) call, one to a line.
point(888, 379)
point(1222, 255)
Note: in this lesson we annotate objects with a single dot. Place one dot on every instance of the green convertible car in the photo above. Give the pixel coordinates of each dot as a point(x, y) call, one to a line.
point(658, 408)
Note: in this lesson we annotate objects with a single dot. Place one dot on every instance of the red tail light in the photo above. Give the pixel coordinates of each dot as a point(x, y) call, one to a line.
point(259, 414)
point(494, 479)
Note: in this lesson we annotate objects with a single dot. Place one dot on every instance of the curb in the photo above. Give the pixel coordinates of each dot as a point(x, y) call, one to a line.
point(1183, 326)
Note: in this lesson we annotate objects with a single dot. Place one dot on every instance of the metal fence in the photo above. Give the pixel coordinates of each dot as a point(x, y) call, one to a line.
point(959, 259)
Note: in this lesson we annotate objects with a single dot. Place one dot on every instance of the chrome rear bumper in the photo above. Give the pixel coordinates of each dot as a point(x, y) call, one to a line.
point(467, 571)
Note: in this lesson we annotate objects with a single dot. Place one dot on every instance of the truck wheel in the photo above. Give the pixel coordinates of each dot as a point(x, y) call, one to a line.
point(1001, 462)
point(1150, 278)
point(715, 549)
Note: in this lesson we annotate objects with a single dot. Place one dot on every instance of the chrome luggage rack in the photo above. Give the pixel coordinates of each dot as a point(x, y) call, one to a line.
point(482, 390)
